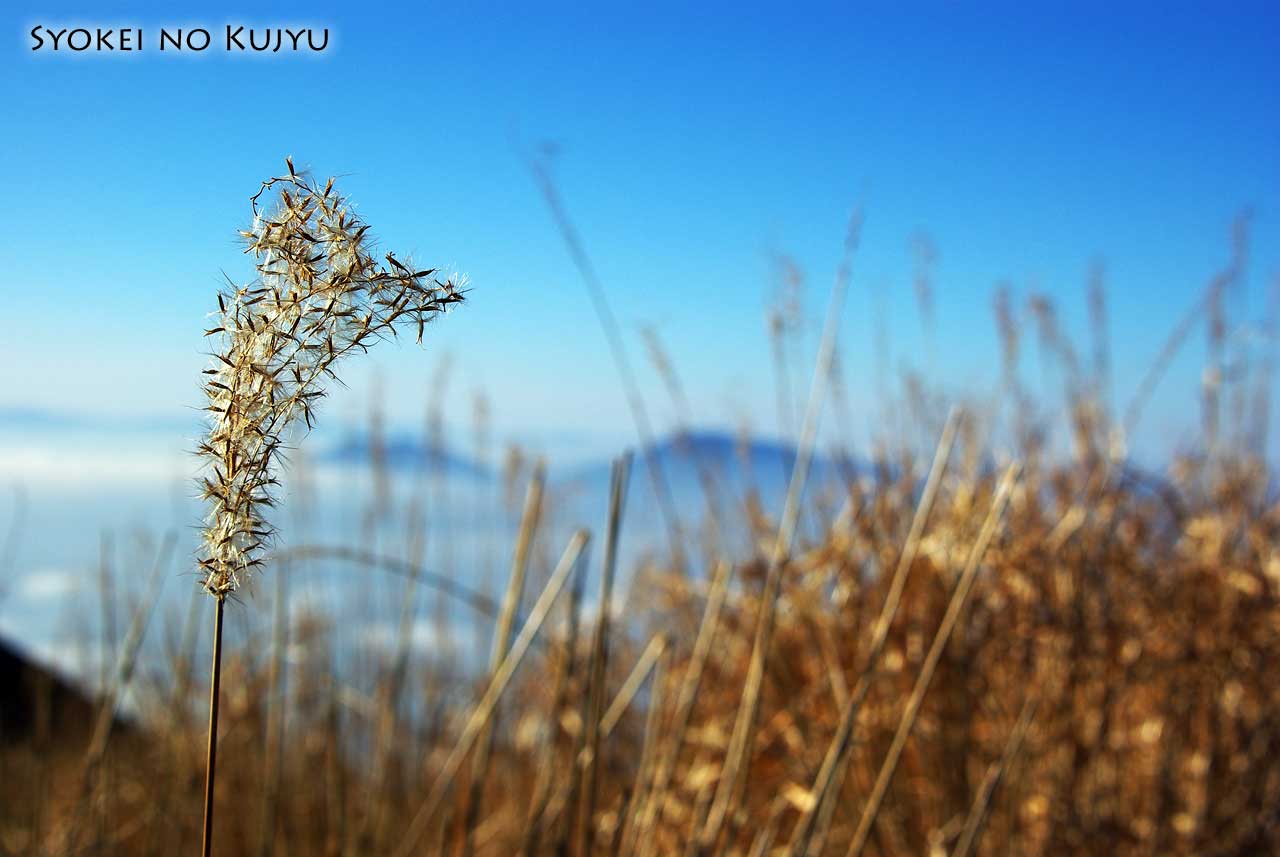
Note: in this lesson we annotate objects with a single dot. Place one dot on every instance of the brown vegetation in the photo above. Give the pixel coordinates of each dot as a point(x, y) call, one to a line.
point(1064, 655)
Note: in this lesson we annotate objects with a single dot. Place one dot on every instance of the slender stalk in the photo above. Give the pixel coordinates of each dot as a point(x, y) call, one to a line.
point(126, 660)
point(93, 784)
point(600, 657)
point(543, 790)
point(737, 758)
point(566, 798)
point(415, 572)
point(501, 640)
point(982, 802)
point(684, 421)
point(1172, 345)
point(617, 350)
point(273, 747)
point(498, 682)
point(625, 836)
point(954, 607)
point(631, 686)
point(653, 807)
point(206, 846)
point(826, 783)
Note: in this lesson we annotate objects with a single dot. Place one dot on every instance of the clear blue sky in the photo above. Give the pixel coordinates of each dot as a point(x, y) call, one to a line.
point(696, 140)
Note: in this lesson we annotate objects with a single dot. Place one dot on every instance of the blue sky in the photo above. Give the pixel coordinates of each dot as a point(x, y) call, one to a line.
point(696, 141)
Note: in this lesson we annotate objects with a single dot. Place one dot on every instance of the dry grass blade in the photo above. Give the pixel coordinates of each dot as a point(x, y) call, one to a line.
point(954, 608)
point(388, 696)
point(600, 654)
point(731, 782)
point(617, 350)
point(685, 700)
point(826, 783)
point(711, 493)
point(501, 641)
point(122, 674)
point(484, 709)
point(1206, 304)
point(982, 801)
point(543, 793)
point(563, 798)
point(826, 810)
point(273, 752)
point(764, 840)
point(631, 686)
point(477, 601)
point(640, 794)
point(127, 658)
point(211, 754)
point(519, 565)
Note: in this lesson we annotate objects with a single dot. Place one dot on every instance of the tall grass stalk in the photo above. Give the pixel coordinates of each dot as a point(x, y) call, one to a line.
point(982, 801)
point(319, 296)
point(501, 642)
point(730, 784)
point(483, 711)
point(959, 597)
point(617, 350)
point(120, 675)
point(211, 754)
point(618, 483)
point(825, 783)
point(655, 800)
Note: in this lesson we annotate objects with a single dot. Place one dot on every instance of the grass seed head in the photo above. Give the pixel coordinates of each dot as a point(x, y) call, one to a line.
point(320, 294)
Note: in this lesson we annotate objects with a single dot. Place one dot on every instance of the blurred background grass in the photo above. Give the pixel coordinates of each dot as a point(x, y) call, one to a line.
point(1069, 234)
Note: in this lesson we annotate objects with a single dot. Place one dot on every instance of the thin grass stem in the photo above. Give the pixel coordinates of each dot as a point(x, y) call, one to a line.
point(211, 755)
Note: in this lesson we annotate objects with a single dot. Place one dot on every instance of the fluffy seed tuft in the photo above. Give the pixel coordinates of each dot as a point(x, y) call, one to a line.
point(320, 294)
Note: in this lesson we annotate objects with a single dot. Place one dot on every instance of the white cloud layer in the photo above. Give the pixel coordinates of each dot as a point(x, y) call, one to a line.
point(47, 585)
point(71, 467)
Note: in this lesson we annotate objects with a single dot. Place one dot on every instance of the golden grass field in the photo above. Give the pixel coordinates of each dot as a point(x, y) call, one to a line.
point(1016, 644)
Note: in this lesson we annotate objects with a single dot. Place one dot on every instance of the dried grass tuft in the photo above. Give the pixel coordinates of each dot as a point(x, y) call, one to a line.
point(320, 294)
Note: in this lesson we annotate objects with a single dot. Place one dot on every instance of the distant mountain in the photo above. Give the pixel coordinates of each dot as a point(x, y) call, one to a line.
point(405, 453)
point(727, 457)
point(737, 467)
point(720, 450)
point(730, 459)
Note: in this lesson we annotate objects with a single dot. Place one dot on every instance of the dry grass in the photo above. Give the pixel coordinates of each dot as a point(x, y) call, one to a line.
point(320, 296)
point(1075, 661)
point(1141, 627)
